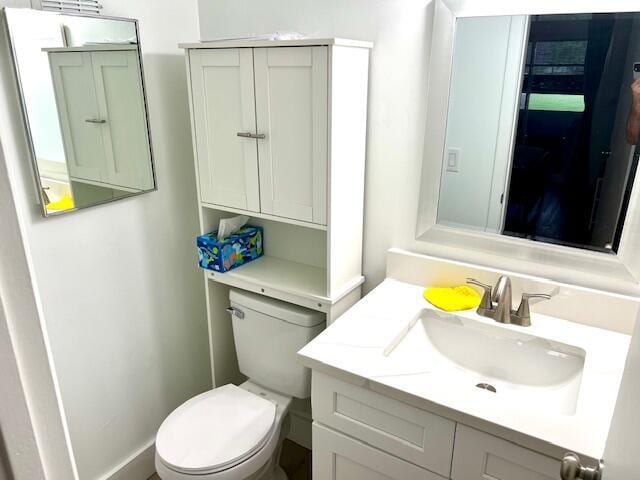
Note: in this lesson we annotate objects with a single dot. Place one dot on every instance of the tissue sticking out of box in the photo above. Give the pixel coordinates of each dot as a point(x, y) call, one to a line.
point(229, 225)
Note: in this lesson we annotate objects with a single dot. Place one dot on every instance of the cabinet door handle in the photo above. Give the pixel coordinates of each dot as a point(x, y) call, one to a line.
point(95, 120)
point(261, 136)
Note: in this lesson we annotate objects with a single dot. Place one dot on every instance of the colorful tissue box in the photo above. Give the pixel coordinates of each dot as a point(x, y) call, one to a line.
point(235, 250)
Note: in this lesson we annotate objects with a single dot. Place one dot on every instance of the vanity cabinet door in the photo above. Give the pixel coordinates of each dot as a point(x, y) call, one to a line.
point(338, 457)
point(292, 110)
point(415, 435)
point(480, 456)
point(121, 105)
point(223, 105)
point(78, 110)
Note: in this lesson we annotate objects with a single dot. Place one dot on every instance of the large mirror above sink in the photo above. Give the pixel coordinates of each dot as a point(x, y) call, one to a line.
point(533, 123)
point(542, 127)
point(82, 91)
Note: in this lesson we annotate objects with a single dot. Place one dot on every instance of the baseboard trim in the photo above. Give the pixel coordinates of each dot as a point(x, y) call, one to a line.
point(139, 466)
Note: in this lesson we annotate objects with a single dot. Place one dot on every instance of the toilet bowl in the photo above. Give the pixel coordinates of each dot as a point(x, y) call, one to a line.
point(228, 433)
point(236, 432)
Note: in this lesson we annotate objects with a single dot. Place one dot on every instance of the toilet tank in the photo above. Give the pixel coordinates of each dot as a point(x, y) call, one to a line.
point(268, 333)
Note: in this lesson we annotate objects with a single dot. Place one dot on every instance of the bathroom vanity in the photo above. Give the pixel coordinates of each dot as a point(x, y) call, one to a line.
point(402, 390)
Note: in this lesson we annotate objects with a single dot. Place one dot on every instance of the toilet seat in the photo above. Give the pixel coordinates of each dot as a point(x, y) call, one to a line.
point(216, 431)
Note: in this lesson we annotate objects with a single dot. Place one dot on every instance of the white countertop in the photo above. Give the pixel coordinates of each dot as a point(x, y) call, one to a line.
point(352, 350)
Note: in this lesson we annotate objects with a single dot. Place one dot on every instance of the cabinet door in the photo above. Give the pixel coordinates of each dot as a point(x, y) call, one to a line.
point(409, 433)
point(121, 105)
point(78, 110)
point(480, 456)
point(223, 105)
point(338, 457)
point(291, 109)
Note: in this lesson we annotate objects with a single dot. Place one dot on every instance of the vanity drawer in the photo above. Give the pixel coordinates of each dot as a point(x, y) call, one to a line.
point(338, 457)
point(412, 434)
point(480, 456)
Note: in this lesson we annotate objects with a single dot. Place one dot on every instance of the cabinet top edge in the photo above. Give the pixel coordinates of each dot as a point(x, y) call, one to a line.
point(248, 43)
point(94, 48)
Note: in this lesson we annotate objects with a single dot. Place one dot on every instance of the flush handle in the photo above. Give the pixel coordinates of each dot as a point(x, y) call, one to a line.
point(236, 313)
point(572, 469)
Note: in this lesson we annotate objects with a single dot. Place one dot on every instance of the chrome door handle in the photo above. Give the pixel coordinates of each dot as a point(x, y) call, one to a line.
point(261, 136)
point(95, 120)
point(572, 469)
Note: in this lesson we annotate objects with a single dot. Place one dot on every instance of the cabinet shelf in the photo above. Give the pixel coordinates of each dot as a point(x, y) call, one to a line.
point(291, 221)
point(282, 279)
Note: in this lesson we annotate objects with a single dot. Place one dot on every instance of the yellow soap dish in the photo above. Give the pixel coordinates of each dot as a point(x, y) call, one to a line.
point(452, 299)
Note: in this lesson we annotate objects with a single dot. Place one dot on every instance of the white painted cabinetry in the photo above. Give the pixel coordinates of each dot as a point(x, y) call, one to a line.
point(480, 456)
point(223, 106)
point(415, 435)
point(265, 125)
point(339, 457)
point(361, 434)
point(102, 115)
point(279, 134)
point(292, 112)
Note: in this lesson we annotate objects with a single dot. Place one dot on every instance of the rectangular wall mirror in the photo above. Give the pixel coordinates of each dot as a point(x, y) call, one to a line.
point(83, 98)
point(542, 127)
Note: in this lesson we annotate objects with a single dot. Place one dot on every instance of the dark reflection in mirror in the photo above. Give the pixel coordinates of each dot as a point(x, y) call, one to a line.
point(579, 120)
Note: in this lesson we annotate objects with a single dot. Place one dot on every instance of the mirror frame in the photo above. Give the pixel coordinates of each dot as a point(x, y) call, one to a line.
point(618, 273)
point(25, 115)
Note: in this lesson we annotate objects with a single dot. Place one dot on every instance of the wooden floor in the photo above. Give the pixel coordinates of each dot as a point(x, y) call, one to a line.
point(294, 460)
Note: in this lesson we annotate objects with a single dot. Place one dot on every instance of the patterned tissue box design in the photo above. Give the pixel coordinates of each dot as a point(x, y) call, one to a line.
point(235, 250)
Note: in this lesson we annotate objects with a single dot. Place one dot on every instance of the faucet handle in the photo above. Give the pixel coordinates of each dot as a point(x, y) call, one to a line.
point(523, 311)
point(485, 303)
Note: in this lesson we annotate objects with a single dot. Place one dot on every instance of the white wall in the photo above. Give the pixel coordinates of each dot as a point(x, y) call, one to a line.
point(25, 369)
point(397, 94)
point(121, 296)
point(623, 442)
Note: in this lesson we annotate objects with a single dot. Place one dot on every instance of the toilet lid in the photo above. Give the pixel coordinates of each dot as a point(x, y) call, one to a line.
point(215, 430)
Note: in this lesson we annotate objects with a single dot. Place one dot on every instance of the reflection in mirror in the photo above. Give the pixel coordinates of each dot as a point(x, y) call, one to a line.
point(82, 90)
point(542, 127)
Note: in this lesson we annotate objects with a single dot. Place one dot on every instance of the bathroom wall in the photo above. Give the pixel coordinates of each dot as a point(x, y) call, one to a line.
point(397, 94)
point(22, 453)
point(121, 296)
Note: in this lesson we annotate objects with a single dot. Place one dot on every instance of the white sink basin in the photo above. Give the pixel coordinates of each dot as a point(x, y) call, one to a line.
point(462, 353)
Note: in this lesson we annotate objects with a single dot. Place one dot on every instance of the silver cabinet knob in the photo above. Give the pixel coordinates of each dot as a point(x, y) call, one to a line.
point(95, 120)
point(572, 469)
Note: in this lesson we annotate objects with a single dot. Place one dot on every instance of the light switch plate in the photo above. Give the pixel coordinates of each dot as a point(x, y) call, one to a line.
point(453, 160)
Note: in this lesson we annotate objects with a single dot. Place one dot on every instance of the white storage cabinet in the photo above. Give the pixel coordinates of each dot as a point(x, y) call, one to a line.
point(279, 134)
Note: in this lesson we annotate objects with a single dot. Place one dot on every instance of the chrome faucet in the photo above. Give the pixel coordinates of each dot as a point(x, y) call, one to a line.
point(501, 299)
point(497, 303)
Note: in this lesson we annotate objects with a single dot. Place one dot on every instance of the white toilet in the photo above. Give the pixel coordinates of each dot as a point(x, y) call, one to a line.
point(236, 433)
